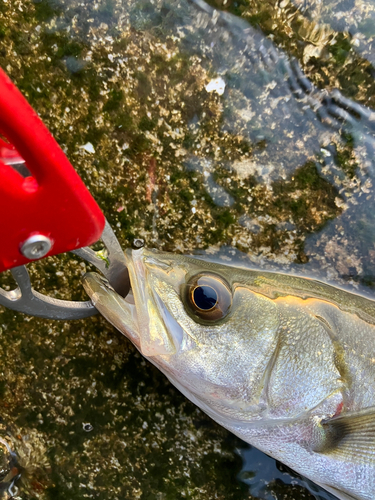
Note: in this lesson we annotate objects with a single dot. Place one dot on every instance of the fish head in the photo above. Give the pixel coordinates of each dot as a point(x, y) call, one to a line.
point(199, 323)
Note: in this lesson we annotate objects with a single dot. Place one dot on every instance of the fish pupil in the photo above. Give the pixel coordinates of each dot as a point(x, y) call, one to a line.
point(205, 297)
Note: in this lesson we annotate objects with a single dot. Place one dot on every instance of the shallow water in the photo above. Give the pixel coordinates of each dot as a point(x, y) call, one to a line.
point(275, 172)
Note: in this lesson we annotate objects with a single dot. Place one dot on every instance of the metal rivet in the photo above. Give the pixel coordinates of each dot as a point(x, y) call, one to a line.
point(138, 243)
point(36, 247)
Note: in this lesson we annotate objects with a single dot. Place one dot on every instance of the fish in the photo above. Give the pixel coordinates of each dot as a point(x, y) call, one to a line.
point(284, 362)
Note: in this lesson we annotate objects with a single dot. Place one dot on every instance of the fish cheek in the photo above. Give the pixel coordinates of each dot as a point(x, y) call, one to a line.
point(223, 362)
point(233, 355)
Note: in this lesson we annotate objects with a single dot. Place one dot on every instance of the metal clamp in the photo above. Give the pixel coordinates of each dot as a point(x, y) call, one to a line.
point(27, 300)
point(113, 265)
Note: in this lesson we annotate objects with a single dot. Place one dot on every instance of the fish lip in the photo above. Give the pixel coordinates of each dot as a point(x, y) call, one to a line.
point(98, 289)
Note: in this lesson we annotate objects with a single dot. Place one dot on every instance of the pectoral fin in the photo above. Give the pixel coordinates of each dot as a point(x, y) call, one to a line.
point(350, 437)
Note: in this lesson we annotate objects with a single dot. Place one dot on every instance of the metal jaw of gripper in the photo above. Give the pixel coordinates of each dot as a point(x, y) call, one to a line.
point(27, 300)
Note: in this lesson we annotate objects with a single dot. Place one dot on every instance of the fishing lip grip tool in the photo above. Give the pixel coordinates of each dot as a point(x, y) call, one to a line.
point(47, 210)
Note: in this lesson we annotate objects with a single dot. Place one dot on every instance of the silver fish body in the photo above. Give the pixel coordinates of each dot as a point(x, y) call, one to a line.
point(285, 363)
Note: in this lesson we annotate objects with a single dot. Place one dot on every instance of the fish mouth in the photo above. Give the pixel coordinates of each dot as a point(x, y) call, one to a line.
point(142, 315)
point(120, 312)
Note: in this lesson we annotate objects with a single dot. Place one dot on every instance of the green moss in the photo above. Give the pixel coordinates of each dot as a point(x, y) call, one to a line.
point(140, 144)
point(144, 86)
point(114, 100)
point(239, 189)
point(318, 198)
point(70, 48)
point(3, 388)
point(258, 19)
point(308, 177)
point(340, 50)
point(145, 123)
point(3, 31)
point(225, 218)
point(46, 9)
point(346, 160)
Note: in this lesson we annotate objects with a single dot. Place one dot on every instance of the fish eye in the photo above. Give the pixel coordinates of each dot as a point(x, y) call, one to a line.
point(208, 296)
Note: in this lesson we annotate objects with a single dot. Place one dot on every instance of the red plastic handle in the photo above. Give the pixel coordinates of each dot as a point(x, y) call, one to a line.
point(53, 201)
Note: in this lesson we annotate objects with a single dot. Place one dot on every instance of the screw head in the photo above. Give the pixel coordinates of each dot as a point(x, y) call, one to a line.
point(138, 243)
point(36, 247)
